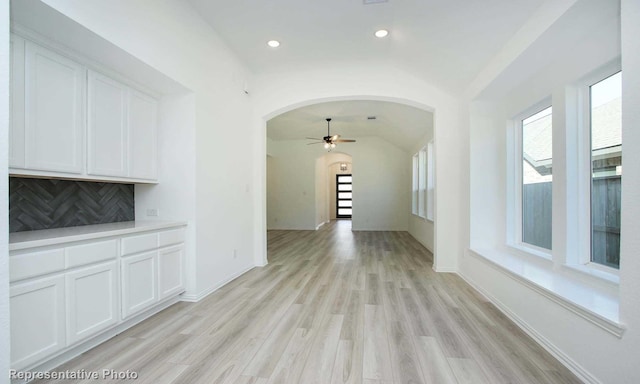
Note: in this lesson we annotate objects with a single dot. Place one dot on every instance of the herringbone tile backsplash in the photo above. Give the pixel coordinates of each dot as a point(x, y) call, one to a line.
point(44, 203)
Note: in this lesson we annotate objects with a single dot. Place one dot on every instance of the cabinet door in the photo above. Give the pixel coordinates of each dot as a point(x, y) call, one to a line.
point(139, 283)
point(16, 127)
point(37, 320)
point(92, 300)
point(53, 111)
point(143, 116)
point(107, 132)
point(171, 271)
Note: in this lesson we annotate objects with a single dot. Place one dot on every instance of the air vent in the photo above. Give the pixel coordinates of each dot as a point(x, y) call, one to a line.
point(371, 117)
point(366, 2)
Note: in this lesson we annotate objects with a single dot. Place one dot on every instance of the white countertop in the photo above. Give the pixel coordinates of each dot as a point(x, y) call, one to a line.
point(32, 239)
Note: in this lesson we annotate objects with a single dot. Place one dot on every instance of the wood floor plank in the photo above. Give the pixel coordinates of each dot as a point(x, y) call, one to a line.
point(377, 356)
point(291, 363)
point(320, 362)
point(435, 366)
point(467, 371)
point(264, 362)
point(332, 306)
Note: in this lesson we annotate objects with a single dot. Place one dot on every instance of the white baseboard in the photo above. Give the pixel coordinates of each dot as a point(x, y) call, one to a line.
point(194, 298)
point(445, 270)
point(562, 357)
point(321, 224)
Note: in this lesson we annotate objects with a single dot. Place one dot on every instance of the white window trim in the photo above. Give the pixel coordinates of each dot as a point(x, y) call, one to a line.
point(582, 260)
point(515, 179)
point(420, 174)
point(430, 198)
point(414, 184)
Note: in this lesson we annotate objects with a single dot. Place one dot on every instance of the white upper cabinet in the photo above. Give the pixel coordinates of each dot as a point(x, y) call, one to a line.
point(54, 117)
point(70, 121)
point(107, 127)
point(16, 126)
point(143, 115)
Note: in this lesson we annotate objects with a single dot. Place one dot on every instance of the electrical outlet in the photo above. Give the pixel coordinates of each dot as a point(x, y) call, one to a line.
point(235, 253)
point(153, 212)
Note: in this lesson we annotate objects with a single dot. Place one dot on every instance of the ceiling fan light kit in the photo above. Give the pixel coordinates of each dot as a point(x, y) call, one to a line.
point(330, 141)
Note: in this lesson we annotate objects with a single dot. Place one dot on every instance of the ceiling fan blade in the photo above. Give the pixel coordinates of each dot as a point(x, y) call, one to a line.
point(344, 141)
point(319, 142)
point(312, 138)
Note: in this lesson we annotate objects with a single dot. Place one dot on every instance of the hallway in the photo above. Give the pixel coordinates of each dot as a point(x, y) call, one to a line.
point(332, 306)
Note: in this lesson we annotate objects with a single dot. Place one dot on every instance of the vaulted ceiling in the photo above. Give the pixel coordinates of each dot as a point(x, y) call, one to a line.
point(445, 42)
point(398, 124)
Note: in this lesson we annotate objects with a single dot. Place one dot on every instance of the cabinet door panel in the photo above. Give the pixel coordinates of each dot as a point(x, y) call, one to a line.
point(92, 301)
point(54, 111)
point(171, 270)
point(143, 112)
point(37, 320)
point(139, 283)
point(16, 129)
point(107, 131)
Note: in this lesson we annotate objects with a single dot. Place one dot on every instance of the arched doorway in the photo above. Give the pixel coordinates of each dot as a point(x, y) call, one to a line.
point(382, 149)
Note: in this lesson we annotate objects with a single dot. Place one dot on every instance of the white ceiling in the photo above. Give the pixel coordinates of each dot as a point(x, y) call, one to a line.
point(446, 42)
point(398, 124)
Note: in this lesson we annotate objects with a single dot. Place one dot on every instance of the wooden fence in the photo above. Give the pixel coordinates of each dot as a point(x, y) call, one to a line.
point(605, 212)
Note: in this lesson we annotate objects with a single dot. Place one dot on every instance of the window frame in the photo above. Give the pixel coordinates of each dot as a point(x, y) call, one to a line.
point(516, 179)
point(430, 198)
point(414, 185)
point(420, 180)
point(585, 187)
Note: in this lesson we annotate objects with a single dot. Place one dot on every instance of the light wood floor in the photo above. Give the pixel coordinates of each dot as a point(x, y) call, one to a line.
point(333, 306)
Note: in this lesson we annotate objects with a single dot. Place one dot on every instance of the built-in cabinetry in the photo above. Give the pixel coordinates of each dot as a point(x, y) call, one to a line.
point(73, 122)
point(62, 295)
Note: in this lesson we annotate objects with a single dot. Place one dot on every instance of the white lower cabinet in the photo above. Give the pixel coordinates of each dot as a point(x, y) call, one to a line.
point(64, 295)
point(139, 282)
point(37, 320)
point(92, 300)
point(170, 271)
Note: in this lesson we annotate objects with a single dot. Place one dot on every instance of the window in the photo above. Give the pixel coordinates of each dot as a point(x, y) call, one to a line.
point(422, 183)
point(430, 181)
point(420, 196)
point(606, 169)
point(344, 201)
point(536, 176)
point(414, 190)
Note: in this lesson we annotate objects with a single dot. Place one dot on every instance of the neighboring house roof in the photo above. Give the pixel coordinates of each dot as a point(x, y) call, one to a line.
point(537, 140)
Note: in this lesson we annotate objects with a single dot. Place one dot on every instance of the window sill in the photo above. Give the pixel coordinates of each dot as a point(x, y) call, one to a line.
point(529, 251)
point(594, 272)
point(598, 305)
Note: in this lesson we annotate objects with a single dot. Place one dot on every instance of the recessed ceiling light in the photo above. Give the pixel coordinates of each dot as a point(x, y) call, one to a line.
point(273, 43)
point(381, 33)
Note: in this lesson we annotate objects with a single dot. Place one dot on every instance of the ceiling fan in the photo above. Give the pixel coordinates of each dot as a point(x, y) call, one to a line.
point(330, 141)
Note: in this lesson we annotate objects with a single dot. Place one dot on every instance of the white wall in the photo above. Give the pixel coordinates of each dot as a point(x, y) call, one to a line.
point(292, 185)
point(276, 93)
point(172, 38)
point(174, 195)
point(589, 42)
point(4, 191)
point(321, 191)
point(421, 229)
point(380, 199)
